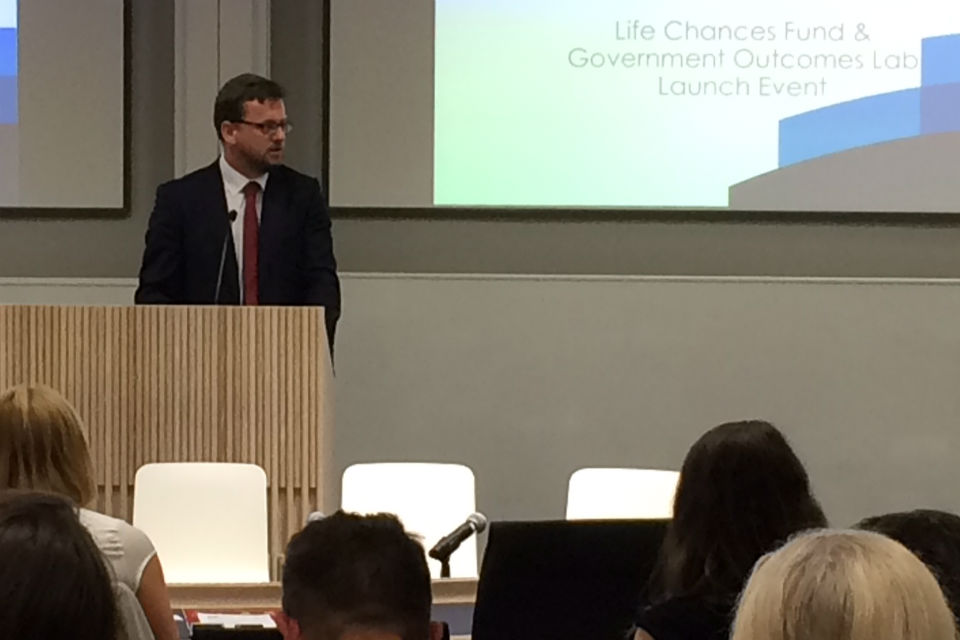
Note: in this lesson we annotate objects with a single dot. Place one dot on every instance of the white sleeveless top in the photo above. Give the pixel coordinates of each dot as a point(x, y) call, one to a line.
point(127, 549)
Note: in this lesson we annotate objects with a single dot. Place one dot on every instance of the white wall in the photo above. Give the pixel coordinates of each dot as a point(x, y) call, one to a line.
point(527, 378)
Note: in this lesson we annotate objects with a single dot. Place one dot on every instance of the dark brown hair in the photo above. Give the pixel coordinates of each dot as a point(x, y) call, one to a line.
point(54, 583)
point(347, 571)
point(742, 492)
point(934, 537)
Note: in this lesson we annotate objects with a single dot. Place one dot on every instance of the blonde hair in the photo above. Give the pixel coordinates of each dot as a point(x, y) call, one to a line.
point(842, 585)
point(42, 445)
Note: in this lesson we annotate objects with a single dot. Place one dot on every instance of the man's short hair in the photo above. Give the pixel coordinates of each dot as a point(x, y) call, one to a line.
point(236, 92)
point(351, 571)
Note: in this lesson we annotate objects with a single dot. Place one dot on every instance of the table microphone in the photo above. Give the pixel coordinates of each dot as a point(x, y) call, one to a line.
point(231, 216)
point(475, 523)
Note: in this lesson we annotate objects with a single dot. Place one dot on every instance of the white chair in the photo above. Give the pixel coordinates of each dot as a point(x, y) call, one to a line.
point(208, 521)
point(612, 494)
point(431, 500)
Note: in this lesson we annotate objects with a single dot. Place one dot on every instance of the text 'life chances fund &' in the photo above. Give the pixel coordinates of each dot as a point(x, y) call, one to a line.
point(762, 60)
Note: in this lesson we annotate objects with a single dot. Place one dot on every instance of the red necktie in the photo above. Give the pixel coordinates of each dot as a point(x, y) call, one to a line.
point(251, 245)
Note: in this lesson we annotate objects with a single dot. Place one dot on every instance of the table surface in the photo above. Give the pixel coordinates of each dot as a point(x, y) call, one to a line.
point(266, 596)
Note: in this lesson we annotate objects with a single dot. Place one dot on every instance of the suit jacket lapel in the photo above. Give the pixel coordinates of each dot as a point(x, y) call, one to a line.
point(213, 208)
point(271, 221)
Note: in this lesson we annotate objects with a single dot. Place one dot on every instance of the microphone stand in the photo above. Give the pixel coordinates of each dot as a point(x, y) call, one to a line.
point(231, 216)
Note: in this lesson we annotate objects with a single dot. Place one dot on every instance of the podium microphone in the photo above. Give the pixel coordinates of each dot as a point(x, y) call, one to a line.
point(231, 216)
point(475, 523)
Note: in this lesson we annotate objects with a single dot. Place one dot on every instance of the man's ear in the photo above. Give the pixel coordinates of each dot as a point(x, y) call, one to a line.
point(228, 131)
point(287, 626)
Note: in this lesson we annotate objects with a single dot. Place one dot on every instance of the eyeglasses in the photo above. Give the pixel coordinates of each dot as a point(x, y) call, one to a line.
point(269, 128)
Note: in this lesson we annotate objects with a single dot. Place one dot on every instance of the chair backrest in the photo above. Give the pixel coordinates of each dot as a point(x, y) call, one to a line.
point(207, 520)
point(431, 499)
point(609, 493)
point(564, 580)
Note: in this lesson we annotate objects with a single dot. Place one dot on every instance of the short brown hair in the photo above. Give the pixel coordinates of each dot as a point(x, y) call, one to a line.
point(236, 92)
point(42, 444)
point(350, 571)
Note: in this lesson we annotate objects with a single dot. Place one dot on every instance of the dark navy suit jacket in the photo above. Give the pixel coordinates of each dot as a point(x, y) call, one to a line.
point(186, 233)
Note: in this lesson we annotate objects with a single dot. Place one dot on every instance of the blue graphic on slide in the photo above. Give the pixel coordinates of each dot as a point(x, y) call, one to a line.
point(933, 107)
point(8, 62)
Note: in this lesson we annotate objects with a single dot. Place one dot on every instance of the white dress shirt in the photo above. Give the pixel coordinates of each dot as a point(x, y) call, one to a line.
point(233, 184)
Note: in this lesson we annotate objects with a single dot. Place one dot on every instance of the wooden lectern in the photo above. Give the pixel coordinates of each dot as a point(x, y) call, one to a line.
point(185, 384)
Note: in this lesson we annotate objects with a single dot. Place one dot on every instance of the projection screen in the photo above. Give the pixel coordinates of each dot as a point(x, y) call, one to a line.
point(62, 104)
point(827, 105)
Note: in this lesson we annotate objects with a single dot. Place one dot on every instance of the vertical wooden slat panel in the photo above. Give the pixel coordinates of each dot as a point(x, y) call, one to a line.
point(237, 384)
point(62, 339)
point(226, 337)
point(274, 462)
point(280, 371)
point(194, 426)
point(320, 329)
point(13, 356)
point(137, 414)
point(42, 362)
point(176, 384)
point(251, 418)
point(82, 366)
point(212, 403)
point(5, 345)
point(31, 359)
point(203, 436)
point(317, 328)
point(148, 452)
point(262, 365)
point(126, 412)
point(108, 399)
point(307, 420)
point(290, 422)
point(19, 357)
point(298, 424)
point(98, 332)
point(165, 393)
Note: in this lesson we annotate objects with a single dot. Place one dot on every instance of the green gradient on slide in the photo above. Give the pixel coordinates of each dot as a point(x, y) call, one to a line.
point(517, 142)
point(517, 125)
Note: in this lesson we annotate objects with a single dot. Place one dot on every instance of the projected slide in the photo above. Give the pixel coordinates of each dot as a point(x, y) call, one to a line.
point(823, 105)
point(61, 104)
point(9, 148)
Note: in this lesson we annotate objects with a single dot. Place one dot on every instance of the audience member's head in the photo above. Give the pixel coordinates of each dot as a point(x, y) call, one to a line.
point(42, 446)
point(934, 537)
point(742, 492)
point(842, 585)
point(351, 576)
point(53, 581)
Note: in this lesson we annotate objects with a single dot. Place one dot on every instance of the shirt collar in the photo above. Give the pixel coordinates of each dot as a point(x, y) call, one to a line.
point(234, 181)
